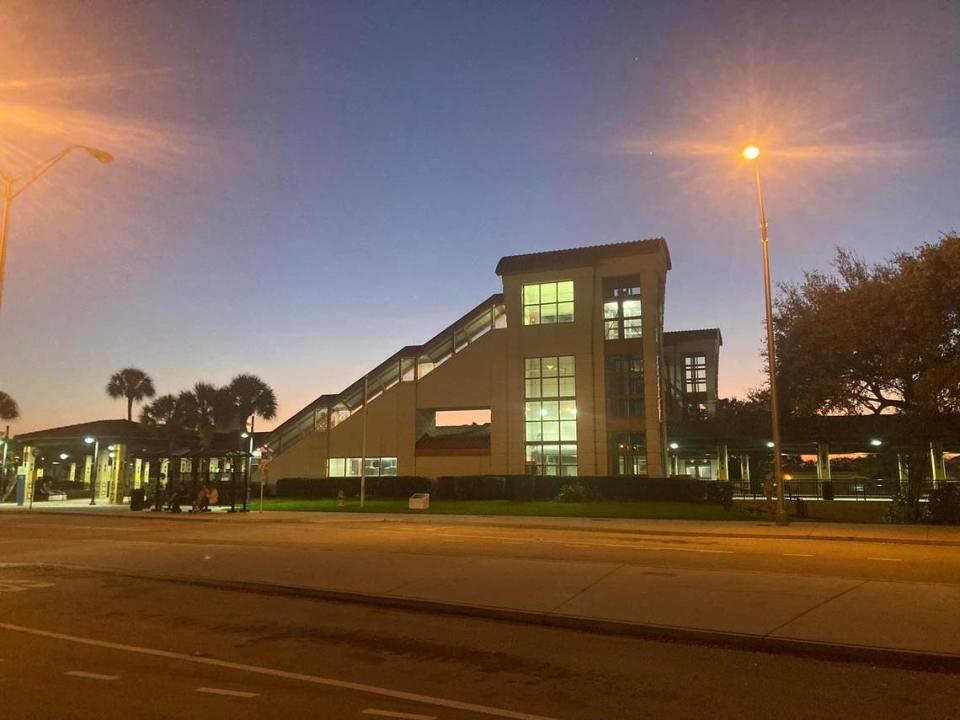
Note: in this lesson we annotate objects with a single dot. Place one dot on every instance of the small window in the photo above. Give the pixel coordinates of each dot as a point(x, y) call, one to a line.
point(694, 374)
point(548, 303)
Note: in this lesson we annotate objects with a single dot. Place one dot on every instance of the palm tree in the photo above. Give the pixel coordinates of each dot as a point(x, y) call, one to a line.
point(252, 398)
point(8, 407)
point(175, 418)
point(133, 384)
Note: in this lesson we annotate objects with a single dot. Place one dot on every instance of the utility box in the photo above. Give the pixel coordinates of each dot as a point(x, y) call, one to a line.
point(419, 501)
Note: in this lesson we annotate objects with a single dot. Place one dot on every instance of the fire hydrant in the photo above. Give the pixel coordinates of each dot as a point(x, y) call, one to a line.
point(340, 498)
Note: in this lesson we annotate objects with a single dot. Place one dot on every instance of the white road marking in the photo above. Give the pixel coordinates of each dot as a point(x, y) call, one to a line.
point(402, 715)
point(21, 585)
point(314, 679)
point(230, 693)
point(90, 675)
point(885, 559)
point(797, 555)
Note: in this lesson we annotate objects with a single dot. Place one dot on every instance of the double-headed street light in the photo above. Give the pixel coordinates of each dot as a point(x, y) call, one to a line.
point(13, 186)
point(752, 153)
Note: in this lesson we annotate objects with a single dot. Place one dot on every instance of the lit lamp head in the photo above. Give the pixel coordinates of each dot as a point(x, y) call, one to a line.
point(876, 442)
point(751, 152)
point(89, 440)
point(99, 155)
point(674, 446)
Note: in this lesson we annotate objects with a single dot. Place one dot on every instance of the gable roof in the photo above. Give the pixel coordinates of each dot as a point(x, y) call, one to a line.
point(580, 256)
point(104, 430)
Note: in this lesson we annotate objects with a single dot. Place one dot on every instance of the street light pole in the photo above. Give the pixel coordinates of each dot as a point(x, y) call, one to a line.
point(4, 224)
point(753, 153)
point(95, 469)
point(13, 186)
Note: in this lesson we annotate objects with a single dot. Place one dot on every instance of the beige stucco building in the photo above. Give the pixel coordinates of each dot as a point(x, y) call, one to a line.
point(567, 371)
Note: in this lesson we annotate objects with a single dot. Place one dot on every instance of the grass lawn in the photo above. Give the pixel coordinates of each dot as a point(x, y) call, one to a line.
point(544, 508)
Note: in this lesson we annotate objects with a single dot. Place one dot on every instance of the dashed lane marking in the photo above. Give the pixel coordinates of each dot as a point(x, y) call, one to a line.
point(797, 555)
point(229, 693)
point(284, 674)
point(90, 675)
point(880, 559)
point(394, 714)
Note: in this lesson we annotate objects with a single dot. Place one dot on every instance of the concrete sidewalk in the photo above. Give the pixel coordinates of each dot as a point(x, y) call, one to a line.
point(797, 530)
point(833, 617)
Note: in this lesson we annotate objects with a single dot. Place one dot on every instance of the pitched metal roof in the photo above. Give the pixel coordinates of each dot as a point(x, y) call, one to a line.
point(701, 334)
point(580, 256)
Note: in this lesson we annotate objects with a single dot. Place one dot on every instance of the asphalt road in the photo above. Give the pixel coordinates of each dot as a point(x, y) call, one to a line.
point(25, 536)
point(83, 645)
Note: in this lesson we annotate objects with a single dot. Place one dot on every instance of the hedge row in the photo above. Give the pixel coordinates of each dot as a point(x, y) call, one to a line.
point(513, 487)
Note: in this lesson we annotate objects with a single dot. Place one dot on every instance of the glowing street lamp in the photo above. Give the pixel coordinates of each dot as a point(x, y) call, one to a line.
point(752, 153)
point(89, 440)
point(13, 186)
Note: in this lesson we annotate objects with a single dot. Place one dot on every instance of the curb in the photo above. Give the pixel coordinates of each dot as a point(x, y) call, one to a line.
point(835, 652)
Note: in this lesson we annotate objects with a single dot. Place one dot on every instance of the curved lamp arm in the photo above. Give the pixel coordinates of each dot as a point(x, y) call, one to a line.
point(29, 178)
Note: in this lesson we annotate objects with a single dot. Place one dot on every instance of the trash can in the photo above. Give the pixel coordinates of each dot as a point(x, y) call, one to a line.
point(137, 498)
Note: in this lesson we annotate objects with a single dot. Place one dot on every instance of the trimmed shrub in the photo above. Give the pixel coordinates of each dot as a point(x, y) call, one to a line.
point(943, 507)
point(470, 487)
point(516, 487)
point(385, 486)
point(395, 486)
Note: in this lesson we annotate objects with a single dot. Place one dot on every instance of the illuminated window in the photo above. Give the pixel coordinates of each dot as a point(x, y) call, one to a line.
point(548, 303)
point(625, 385)
point(622, 318)
point(694, 374)
point(550, 415)
point(350, 467)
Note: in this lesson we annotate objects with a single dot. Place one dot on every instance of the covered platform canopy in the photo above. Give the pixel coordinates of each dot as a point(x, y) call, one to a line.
point(843, 433)
point(59, 462)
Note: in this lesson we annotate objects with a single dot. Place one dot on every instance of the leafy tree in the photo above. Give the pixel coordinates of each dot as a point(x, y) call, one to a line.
point(133, 384)
point(8, 407)
point(879, 338)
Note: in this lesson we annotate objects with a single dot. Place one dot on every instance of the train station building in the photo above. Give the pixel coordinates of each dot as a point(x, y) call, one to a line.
point(567, 371)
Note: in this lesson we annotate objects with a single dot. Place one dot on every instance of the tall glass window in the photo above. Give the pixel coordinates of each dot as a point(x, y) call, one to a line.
point(548, 303)
point(550, 414)
point(625, 385)
point(622, 318)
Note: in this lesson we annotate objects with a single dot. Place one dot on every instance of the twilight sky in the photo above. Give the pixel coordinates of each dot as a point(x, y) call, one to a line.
point(302, 188)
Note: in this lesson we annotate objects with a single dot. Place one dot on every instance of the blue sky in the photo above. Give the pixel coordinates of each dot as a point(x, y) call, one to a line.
point(302, 188)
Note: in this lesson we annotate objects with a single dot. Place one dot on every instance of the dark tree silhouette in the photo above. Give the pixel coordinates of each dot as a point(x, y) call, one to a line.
point(133, 384)
point(8, 407)
point(876, 339)
point(175, 419)
point(252, 398)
